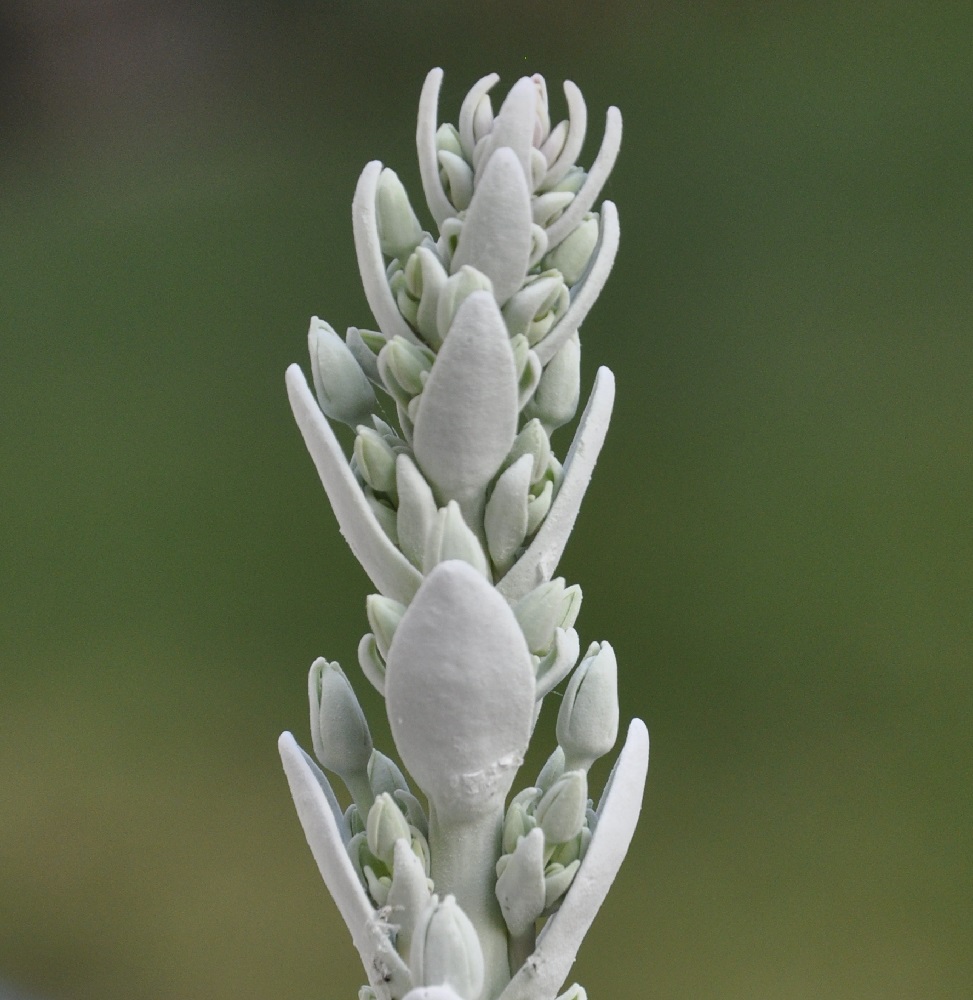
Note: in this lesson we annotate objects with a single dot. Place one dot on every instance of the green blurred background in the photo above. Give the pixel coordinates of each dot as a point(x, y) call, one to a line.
point(778, 539)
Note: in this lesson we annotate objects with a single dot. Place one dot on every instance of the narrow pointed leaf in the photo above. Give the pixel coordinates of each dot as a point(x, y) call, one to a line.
point(594, 182)
point(386, 567)
point(542, 975)
point(316, 810)
point(540, 560)
point(590, 287)
point(371, 263)
point(432, 188)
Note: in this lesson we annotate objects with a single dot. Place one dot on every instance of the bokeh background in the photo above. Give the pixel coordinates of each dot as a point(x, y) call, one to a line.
point(778, 539)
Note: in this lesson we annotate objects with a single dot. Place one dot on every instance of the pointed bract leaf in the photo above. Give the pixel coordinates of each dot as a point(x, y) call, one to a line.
point(496, 235)
point(467, 415)
point(459, 691)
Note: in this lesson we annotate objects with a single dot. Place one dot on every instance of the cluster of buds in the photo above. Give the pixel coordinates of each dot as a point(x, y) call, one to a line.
point(458, 509)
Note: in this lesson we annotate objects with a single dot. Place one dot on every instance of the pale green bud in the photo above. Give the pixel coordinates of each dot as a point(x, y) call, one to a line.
point(398, 228)
point(572, 181)
point(449, 232)
point(587, 721)
point(552, 770)
point(572, 850)
point(557, 881)
point(385, 825)
point(545, 608)
point(432, 278)
point(505, 516)
point(555, 400)
point(516, 824)
point(384, 616)
point(384, 775)
point(384, 514)
point(339, 732)
point(378, 885)
point(353, 820)
point(560, 813)
point(371, 662)
point(457, 179)
point(375, 460)
point(365, 346)
point(537, 306)
point(447, 140)
point(404, 368)
point(420, 848)
point(459, 287)
point(538, 506)
point(532, 440)
point(521, 887)
point(414, 812)
point(572, 254)
point(446, 950)
point(366, 993)
point(417, 510)
point(452, 538)
point(408, 895)
point(342, 388)
point(548, 206)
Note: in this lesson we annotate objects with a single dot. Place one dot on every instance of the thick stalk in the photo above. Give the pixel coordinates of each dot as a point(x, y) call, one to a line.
point(464, 856)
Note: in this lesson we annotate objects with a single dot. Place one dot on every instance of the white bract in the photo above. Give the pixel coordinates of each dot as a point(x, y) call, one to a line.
point(458, 508)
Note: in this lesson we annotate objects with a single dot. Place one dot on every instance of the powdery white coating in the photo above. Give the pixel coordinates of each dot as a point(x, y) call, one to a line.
point(496, 234)
point(321, 819)
point(540, 560)
point(459, 689)
point(543, 974)
point(371, 264)
point(385, 565)
point(467, 416)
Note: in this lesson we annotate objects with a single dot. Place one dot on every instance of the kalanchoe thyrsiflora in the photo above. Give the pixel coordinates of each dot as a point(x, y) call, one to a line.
point(458, 507)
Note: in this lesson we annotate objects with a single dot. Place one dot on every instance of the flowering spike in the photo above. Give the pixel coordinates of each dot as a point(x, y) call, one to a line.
point(454, 485)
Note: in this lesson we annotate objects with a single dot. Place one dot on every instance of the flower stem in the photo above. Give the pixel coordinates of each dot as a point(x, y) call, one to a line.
point(464, 856)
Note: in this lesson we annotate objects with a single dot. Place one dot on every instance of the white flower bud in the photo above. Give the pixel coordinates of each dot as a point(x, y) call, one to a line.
point(560, 813)
point(587, 722)
point(342, 388)
point(398, 228)
point(446, 950)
